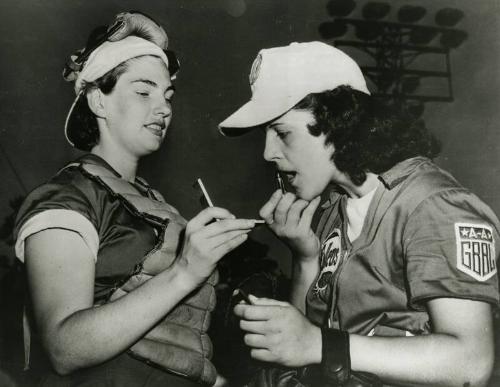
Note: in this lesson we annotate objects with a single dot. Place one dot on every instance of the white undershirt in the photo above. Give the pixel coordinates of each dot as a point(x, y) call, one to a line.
point(356, 209)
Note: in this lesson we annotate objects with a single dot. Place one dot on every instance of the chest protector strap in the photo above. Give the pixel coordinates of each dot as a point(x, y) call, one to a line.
point(179, 343)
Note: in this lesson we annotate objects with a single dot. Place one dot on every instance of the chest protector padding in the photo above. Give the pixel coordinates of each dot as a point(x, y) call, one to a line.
point(179, 342)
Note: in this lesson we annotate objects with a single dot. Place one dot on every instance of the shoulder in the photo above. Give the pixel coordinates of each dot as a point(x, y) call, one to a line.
point(70, 189)
point(424, 179)
point(427, 186)
point(450, 239)
point(69, 200)
point(434, 188)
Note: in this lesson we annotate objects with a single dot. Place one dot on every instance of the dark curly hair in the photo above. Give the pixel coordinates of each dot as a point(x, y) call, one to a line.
point(368, 136)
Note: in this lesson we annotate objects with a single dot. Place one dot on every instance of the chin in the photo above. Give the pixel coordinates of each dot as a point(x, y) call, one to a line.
point(146, 151)
point(302, 194)
point(306, 193)
point(153, 147)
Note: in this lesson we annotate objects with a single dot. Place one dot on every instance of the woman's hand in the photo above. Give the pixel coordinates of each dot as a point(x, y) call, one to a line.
point(61, 272)
point(206, 241)
point(290, 219)
point(278, 332)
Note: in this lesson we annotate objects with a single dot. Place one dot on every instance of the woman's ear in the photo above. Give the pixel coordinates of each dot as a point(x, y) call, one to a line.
point(96, 103)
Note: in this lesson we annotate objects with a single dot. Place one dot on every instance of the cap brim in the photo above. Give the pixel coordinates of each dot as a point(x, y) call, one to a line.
point(251, 115)
point(69, 124)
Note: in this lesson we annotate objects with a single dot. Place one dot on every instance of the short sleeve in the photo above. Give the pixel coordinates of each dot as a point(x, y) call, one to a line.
point(61, 206)
point(450, 245)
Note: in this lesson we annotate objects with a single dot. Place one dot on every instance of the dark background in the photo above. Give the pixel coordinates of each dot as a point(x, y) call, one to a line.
point(216, 41)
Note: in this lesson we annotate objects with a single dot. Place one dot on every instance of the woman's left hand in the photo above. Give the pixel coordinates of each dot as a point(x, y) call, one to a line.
point(290, 217)
point(278, 332)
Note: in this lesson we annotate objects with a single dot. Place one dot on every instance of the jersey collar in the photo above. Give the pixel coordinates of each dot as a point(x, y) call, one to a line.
point(398, 173)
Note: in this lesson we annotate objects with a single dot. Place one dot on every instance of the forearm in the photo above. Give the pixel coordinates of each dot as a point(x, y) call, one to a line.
point(304, 271)
point(94, 335)
point(429, 360)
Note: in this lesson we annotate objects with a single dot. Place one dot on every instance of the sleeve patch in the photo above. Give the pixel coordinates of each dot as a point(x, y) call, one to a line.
point(475, 250)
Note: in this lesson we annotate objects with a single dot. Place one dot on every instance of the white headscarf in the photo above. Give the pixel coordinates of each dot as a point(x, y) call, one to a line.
point(110, 54)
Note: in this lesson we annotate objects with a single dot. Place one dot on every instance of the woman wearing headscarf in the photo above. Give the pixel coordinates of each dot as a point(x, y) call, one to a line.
point(120, 285)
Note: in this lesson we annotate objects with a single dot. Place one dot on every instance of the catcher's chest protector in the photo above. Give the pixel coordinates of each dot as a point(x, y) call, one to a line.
point(178, 343)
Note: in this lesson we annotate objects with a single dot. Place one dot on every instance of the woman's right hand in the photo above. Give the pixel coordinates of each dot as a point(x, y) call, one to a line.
point(206, 241)
point(290, 219)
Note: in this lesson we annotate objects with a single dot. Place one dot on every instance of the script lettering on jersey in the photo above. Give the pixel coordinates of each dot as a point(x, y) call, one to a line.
point(330, 257)
point(475, 250)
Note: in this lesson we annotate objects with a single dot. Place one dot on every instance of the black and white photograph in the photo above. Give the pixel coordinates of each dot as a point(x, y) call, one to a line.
point(249, 193)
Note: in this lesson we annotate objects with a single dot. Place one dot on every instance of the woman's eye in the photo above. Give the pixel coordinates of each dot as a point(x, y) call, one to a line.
point(143, 93)
point(282, 135)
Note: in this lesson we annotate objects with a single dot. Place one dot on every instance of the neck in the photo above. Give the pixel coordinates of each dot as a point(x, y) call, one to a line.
point(358, 191)
point(125, 164)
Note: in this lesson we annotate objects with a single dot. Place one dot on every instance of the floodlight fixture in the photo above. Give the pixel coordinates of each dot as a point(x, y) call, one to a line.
point(422, 35)
point(376, 10)
point(448, 17)
point(368, 30)
point(340, 8)
point(393, 50)
point(453, 38)
point(335, 29)
point(411, 13)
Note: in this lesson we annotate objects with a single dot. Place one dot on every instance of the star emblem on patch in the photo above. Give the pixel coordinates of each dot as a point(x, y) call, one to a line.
point(475, 250)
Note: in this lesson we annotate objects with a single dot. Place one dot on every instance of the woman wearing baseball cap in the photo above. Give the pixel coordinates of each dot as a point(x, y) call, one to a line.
point(121, 286)
point(396, 284)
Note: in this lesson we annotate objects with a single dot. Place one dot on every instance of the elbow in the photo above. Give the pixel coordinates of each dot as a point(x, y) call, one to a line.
point(61, 369)
point(68, 358)
point(63, 353)
point(61, 363)
point(61, 359)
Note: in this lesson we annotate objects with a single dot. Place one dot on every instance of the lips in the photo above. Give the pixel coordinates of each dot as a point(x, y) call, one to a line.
point(156, 128)
point(289, 175)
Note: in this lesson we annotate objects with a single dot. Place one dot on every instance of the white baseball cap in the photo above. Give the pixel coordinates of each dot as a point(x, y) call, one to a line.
point(282, 76)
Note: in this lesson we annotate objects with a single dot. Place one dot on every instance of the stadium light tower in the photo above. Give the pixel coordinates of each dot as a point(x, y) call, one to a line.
point(396, 49)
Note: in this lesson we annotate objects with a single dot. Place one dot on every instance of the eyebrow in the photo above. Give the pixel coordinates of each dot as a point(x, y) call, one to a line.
point(152, 83)
point(274, 124)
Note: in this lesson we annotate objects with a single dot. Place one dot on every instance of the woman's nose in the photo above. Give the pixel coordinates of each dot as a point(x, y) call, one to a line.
point(163, 108)
point(271, 151)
